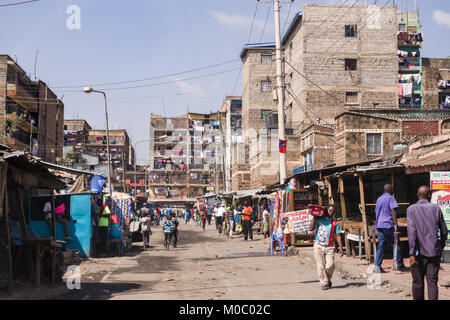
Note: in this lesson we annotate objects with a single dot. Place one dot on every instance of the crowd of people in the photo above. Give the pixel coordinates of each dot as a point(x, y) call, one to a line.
point(426, 228)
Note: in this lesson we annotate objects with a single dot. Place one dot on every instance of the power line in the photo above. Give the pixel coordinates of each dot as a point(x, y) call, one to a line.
point(160, 83)
point(265, 23)
point(17, 3)
point(248, 41)
point(331, 95)
point(152, 78)
point(287, 17)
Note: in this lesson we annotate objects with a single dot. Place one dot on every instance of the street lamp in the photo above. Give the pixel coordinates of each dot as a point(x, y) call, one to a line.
point(89, 89)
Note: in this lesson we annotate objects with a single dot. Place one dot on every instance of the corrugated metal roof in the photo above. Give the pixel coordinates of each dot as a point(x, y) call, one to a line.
point(268, 45)
point(438, 159)
point(291, 26)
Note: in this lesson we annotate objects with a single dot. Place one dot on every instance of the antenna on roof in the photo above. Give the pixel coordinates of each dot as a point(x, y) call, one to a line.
point(35, 64)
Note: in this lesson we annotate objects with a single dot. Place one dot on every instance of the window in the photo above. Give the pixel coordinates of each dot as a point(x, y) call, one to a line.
point(266, 86)
point(350, 64)
point(266, 58)
point(351, 97)
point(351, 31)
point(264, 113)
point(402, 27)
point(373, 143)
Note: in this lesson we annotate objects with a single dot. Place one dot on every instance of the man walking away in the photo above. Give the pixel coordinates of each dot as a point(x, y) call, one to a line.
point(266, 220)
point(230, 221)
point(168, 230)
point(186, 215)
point(247, 223)
point(424, 219)
point(209, 212)
point(203, 218)
point(386, 224)
point(327, 230)
point(175, 229)
point(219, 217)
point(145, 228)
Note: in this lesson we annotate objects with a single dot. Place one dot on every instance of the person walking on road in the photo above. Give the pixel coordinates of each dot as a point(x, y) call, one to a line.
point(230, 221)
point(175, 229)
point(186, 215)
point(386, 224)
point(425, 246)
point(326, 230)
point(168, 230)
point(219, 217)
point(209, 212)
point(266, 220)
point(203, 218)
point(247, 222)
point(145, 228)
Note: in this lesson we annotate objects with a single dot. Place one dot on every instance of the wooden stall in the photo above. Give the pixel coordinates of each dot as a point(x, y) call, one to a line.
point(354, 192)
point(24, 176)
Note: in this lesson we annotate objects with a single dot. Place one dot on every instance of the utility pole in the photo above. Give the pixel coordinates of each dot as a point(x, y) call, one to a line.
point(280, 88)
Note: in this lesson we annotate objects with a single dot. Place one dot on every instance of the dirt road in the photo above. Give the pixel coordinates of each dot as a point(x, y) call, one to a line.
point(209, 266)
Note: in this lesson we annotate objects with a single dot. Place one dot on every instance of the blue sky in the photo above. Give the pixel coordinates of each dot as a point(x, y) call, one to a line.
point(122, 40)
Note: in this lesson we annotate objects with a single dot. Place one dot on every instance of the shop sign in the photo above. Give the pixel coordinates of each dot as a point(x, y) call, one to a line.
point(298, 221)
point(440, 180)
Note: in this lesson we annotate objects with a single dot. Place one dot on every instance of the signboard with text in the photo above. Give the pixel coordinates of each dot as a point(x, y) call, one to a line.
point(298, 221)
point(440, 180)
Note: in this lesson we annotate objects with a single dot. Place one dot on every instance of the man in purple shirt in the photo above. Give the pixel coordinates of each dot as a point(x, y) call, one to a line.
point(425, 245)
point(386, 224)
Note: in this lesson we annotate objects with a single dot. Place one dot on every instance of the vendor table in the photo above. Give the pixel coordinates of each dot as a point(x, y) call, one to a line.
point(40, 245)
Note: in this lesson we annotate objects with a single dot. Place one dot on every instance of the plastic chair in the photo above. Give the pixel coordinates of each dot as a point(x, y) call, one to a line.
point(277, 238)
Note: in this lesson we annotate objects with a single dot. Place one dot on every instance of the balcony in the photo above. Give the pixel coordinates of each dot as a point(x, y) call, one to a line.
point(22, 96)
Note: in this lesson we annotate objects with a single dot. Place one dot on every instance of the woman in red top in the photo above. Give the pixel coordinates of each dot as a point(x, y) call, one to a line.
point(203, 217)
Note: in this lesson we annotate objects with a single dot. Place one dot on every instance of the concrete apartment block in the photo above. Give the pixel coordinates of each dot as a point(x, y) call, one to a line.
point(317, 46)
point(434, 70)
point(258, 82)
point(41, 113)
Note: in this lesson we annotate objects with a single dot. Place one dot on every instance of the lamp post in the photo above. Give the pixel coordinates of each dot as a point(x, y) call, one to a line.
point(135, 161)
point(89, 89)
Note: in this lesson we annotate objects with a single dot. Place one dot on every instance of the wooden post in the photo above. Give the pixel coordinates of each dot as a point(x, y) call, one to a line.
point(23, 222)
point(330, 194)
point(344, 213)
point(8, 234)
point(319, 193)
point(37, 265)
point(52, 194)
point(362, 208)
point(54, 238)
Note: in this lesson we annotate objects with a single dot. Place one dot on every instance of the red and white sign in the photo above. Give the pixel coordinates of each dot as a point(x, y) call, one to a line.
point(299, 221)
point(440, 180)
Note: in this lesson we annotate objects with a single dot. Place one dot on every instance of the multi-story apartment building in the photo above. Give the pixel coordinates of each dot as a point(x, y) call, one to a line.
point(186, 158)
point(31, 114)
point(231, 125)
point(365, 134)
point(260, 122)
point(85, 149)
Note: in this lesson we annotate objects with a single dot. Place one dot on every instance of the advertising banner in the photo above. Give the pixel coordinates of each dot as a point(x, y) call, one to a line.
point(440, 180)
point(298, 221)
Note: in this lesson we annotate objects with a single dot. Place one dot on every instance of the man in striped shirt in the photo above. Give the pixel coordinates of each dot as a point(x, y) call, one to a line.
point(168, 228)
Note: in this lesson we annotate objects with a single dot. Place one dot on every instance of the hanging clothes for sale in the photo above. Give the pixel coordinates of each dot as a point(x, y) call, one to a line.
point(407, 89)
point(400, 90)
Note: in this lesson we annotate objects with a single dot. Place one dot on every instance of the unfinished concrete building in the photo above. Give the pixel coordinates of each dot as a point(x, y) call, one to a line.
point(35, 110)
point(231, 127)
point(185, 158)
point(436, 83)
point(338, 57)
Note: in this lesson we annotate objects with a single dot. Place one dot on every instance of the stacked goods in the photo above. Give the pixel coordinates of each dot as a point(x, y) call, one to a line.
point(316, 210)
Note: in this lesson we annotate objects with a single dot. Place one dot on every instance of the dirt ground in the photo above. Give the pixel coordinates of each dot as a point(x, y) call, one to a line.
point(207, 265)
